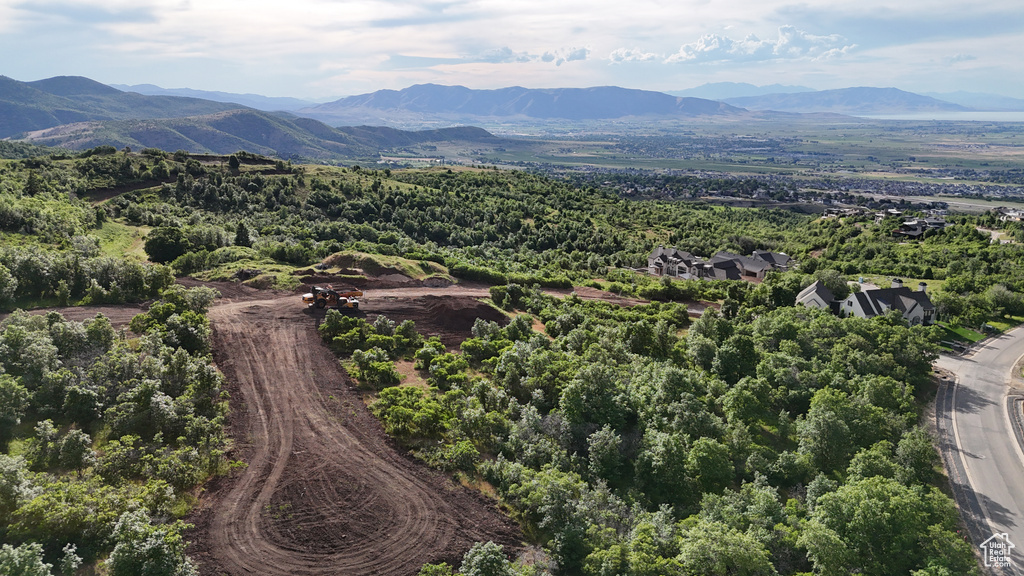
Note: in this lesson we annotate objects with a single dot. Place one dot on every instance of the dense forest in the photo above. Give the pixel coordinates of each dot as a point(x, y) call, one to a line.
point(758, 439)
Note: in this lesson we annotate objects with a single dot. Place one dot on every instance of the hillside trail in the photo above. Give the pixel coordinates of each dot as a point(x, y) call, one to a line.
point(325, 492)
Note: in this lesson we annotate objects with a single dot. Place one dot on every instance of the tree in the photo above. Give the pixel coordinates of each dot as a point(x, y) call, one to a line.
point(824, 433)
point(75, 452)
point(233, 163)
point(916, 456)
point(14, 400)
point(834, 281)
point(708, 462)
point(164, 244)
point(143, 549)
point(485, 559)
point(8, 286)
point(877, 526)
point(605, 458)
point(736, 358)
point(242, 237)
point(1004, 301)
point(14, 485)
point(713, 549)
point(873, 461)
point(70, 561)
point(442, 569)
point(25, 560)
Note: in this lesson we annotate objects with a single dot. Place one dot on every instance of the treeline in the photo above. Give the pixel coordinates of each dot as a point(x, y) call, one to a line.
point(72, 277)
point(103, 437)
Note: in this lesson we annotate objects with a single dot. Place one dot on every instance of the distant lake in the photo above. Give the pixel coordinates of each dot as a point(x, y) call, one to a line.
point(952, 116)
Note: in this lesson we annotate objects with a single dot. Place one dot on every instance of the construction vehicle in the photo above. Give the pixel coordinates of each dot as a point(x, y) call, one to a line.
point(330, 298)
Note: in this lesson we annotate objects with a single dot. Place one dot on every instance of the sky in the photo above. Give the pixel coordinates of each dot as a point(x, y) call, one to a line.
point(321, 49)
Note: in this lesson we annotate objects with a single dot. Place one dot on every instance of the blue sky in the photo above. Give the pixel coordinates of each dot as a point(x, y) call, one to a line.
point(325, 48)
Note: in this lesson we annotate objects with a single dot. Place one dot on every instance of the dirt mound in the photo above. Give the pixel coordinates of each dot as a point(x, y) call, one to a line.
point(449, 317)
point(119, 315)
point(364, 263)
point(229, 291)
point(324, 491)
point(459, 314)
point(437, 282)
point(324, 278)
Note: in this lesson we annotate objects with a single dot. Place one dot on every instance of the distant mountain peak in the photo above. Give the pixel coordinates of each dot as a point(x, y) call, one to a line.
point(864, 100)
point(73, 86)
point(725, 90)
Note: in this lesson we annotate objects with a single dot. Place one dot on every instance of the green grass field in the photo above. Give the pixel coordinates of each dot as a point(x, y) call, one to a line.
point(121, 240)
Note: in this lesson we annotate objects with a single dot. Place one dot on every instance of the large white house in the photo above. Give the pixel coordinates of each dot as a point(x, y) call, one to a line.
point(915, 305)
point(673, 262)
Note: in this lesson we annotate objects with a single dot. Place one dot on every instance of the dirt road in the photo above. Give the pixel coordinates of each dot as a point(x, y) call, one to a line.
point(324, 491)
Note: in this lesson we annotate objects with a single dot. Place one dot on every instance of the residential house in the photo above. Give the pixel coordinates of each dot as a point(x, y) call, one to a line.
point(918, 227)
point(915, 305)
point(673, 262)
point(1007, 215)
point(879, 216)
point(817, 296)
point(778, 260)
point(722, 266)
point(728, 266)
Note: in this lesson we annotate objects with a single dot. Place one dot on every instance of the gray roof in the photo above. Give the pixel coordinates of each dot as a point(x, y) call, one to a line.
point(773, 258)
point(723, 270)
point(668, 254)
point(818, 289)
point(745, 262)
point(875, 302)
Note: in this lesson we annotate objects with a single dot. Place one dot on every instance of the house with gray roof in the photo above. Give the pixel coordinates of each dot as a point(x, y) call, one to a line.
point(778, 260)
point(722, 266)
point(673, 262)
point(915, 305)
point(736, 267)
point(817, 296)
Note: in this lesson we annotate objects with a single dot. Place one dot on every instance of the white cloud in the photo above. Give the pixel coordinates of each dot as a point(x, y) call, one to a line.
point(563, 55)
point(961, 57)
point(503, 55)
point(790, 44)
point(620, 55)
point(340, 46)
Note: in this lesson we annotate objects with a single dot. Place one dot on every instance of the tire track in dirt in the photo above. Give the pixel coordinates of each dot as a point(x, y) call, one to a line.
point(324, 492)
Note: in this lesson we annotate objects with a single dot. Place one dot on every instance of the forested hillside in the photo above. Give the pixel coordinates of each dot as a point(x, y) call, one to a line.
point(759, 438)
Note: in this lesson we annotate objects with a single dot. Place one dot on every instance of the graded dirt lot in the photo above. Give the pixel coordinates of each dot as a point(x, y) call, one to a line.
point(324, 491)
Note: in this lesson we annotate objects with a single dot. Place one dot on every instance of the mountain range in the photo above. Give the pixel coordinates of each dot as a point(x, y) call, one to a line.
point(78, 113)
point(265, 103)
point(724, 90)
point(280, 135)
point(853, 101)
point(27, 106)
point(461, 104)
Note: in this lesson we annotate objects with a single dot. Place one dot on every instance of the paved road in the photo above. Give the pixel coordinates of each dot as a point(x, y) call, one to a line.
point(980, 445)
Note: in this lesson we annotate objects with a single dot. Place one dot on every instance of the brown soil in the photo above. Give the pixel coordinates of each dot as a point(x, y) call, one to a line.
point(324, 491)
